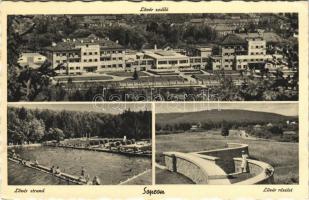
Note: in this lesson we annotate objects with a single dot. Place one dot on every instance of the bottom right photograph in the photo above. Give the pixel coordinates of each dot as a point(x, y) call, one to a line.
point(227, 143)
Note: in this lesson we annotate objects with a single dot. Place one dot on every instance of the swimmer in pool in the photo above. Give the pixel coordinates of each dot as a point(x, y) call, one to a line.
point(96, 181)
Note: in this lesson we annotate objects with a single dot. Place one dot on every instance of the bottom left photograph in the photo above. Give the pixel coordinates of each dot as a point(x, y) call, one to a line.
point(76, 144)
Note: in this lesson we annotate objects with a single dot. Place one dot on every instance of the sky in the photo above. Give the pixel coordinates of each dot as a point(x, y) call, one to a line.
point(288, 109)
point(111, 108)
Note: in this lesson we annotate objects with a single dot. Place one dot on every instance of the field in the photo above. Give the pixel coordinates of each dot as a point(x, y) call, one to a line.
point(282, 156)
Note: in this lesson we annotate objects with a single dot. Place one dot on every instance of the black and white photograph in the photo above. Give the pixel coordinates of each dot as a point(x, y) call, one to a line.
point(153, 57)
point(79, 144)
point(227, 143)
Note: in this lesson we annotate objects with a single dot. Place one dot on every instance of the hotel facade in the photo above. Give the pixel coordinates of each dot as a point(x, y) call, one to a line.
point(84, 55)
point(94, 54)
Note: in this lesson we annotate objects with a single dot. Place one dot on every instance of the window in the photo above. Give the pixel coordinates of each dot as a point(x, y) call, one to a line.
point(85, 60)
point(95, 60)
point(120, 58)
point(57, 54)
point(114, 58)
point(95, 53)
point(183, 61)
point(143, 62)
point(102, 66)
point(173, 62)
point(63, 54)
point(85, 53)
point(39, 58)
point(57, 61)
point(90, 53)
point(114, 65)
point(162, 62)
point(114, 52)
point(71, 68)
point(90, 60)
point(77, 67)
point(109, 66)
point(120, 65)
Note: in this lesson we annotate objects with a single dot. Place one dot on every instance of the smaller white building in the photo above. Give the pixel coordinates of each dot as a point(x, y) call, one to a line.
point(32, 60)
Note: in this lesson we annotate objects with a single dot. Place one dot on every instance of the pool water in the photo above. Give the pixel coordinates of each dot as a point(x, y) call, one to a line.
point(111, 168)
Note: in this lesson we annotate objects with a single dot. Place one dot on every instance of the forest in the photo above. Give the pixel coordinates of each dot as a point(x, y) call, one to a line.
point(34, 125)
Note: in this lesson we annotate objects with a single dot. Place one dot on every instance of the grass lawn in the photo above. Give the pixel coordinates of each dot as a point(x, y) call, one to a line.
point(162, 79)
point(126, 74)
point(83, 78)
point(281, 155)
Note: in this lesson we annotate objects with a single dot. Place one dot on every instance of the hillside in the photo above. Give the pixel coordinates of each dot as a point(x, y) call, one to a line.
point(218, 116)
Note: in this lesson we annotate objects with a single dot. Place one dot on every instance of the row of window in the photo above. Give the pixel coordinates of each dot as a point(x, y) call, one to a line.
point(102, 66)
point(111, 66)
point(244, 66)
point(257, 47)
point(172, 62)
point(88, 53)
point(257, 53)
point(250, 60)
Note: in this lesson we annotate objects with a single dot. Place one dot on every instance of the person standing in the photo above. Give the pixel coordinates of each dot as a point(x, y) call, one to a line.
point(244, 161)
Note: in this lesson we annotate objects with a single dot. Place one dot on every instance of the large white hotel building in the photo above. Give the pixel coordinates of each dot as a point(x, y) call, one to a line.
point(94, 54)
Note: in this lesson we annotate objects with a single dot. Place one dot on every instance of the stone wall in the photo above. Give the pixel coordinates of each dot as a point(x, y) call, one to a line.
point(226, 155)
point(213, 167)
point(199, 170)
point(262, 172)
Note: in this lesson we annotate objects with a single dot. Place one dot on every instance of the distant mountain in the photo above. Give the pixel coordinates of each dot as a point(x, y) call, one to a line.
point(218, 116)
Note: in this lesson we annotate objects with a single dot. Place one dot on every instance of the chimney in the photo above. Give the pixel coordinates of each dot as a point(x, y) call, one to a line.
point(64, 40)
point(92, 41)
point(74, 39)
point(155, 47)
point(82, 41)
point(117, 41)
point(54, 44)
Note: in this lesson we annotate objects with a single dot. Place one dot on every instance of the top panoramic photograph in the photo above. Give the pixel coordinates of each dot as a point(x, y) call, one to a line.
point(153, 57)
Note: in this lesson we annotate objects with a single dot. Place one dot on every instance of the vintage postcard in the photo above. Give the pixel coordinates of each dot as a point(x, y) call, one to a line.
point(154, 100)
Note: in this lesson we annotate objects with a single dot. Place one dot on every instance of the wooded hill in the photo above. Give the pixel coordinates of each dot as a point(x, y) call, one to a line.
point(217, 116)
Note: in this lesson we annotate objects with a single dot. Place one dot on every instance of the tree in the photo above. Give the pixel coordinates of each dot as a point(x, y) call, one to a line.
point(36, 130)
point(224, 130)
point(55, 134)
point(135, 75)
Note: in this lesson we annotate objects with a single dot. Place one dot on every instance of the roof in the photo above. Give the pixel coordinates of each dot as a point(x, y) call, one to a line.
point(72, 43)
point(232, 39)
point(267, 36)
point(161, 54)
point(225, 28)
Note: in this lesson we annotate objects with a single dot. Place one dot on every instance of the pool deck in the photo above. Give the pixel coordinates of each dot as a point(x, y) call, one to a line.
point(140, 154)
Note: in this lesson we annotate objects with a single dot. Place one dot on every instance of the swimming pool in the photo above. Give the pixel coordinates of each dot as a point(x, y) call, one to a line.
point(111, 168)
